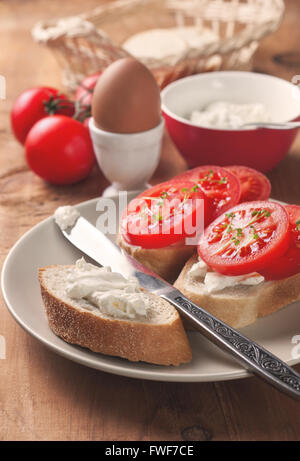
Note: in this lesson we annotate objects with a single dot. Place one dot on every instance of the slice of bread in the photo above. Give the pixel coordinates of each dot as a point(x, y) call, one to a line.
point(167, 262)
point(241, 305)
point(158, 338)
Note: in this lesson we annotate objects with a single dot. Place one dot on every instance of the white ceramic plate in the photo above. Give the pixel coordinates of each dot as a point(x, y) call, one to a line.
point(44, 245)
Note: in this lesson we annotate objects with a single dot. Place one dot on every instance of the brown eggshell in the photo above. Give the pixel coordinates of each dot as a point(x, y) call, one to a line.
point(126, 98)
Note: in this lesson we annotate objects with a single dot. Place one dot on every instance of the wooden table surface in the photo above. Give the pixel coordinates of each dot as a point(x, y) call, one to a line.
point(46, 397)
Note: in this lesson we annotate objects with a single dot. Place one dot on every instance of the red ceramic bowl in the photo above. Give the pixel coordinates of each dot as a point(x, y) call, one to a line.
point(262, 149)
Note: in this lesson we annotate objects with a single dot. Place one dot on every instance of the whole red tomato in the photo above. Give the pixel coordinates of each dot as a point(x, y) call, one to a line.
point(59, 150)
point(84, 92)
point(35, 104)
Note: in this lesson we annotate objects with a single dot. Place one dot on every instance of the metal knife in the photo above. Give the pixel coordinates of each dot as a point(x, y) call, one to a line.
point(92, 242)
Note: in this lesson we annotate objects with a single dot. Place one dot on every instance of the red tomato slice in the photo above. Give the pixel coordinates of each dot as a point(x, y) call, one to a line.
point(246, 239)
point(221, 187)
point(254, 185)
point(288, 264)
point(163, 215)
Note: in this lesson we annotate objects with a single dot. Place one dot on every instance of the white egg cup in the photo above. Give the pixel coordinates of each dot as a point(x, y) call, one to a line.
point(127, 160)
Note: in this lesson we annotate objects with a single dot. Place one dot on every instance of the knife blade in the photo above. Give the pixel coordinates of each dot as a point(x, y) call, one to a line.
point(92, 242)
point(95, 244)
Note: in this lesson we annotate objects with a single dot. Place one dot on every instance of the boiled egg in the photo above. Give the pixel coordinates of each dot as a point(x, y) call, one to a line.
point(126, 98)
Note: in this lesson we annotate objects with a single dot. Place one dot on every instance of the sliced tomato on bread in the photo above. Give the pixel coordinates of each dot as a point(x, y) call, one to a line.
point(164, 215)
point(254, 184)
point(248, 238)
point(220, 186)
point(289, 263)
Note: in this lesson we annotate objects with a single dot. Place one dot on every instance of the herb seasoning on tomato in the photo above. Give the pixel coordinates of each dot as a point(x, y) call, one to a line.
point(164, 215)
point(246, 239)
point(288, 264)
point(221, 188)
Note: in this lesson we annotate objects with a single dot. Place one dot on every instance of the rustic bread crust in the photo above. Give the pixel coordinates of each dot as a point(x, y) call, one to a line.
point(166, 262)
point(245, 307)
point(161, 344)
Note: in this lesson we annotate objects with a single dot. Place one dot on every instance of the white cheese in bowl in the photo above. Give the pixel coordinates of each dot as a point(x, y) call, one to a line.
point(227, 115)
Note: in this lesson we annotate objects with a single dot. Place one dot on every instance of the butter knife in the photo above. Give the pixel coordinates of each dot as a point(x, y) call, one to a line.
point(95, 244)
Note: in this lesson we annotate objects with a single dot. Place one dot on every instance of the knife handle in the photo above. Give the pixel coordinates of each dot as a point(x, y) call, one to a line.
point(249, 354)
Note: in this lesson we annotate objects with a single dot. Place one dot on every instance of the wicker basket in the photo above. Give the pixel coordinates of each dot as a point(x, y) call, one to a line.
point(90, 42)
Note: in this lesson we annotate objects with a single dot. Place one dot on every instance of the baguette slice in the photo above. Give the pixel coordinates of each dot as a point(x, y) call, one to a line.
point(167, 262)
point(160, 338)
point(241, 305)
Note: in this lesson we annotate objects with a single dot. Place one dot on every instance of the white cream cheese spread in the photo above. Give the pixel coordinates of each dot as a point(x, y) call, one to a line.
point(109, 291)
point(66, 216)
point(214, 282)
point(198, 269)
point(222, 115)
